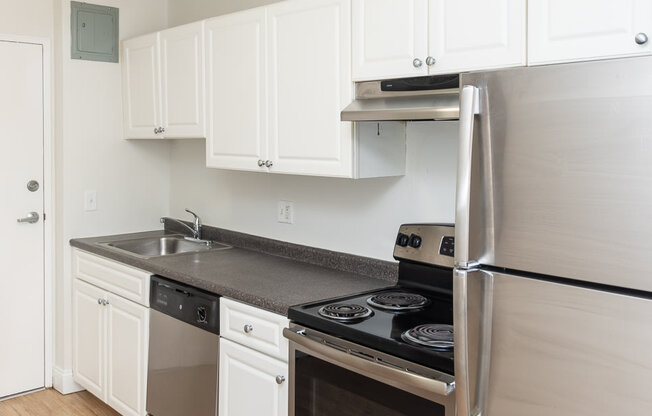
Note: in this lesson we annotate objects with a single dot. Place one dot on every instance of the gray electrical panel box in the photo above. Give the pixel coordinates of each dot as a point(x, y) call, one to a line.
point(94, 31)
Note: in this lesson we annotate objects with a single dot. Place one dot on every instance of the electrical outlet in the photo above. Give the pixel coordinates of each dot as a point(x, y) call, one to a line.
point(90, 200)
point(286, 212)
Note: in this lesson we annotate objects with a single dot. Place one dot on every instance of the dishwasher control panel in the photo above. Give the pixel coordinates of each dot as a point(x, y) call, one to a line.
point(185, 303)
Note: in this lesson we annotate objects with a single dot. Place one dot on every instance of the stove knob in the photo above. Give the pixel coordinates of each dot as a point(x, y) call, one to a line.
point(402, 240)
point(415, 241)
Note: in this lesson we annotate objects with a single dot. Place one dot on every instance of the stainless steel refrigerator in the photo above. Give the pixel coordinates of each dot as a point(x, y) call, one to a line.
point(553, 280)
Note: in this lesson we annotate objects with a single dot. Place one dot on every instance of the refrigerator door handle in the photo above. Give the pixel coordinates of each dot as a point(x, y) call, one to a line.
point(473, 308)
point(469, 107)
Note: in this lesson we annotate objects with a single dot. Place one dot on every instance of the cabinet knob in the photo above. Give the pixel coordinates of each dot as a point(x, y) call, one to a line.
point(280, 379)
point(269, 163)
point(248, 328)
point(417, 62)
point(162, 130)
point(641, 38)
point(155, 130)
point(106, 302)
point(99, 301)
point(261, 163)
point(430, 61)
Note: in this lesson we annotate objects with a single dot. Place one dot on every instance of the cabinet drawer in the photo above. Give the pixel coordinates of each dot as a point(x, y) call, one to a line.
point(123, 280)
point(254, 327)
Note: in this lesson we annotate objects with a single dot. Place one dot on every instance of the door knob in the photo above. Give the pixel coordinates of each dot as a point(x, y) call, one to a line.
point(31, 218)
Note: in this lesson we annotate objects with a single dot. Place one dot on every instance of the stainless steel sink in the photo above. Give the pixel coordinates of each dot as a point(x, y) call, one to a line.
point(162, 246)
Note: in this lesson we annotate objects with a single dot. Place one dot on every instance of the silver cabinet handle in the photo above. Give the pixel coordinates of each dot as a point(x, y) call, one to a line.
point(106, 302)
point(261, 163)
point(469, 107)
point(99, 301)
point(162, 130)
point(280, 379)
point(31, 218)
point(641, 38)
point(417, 62)
point(269, 163)
point(155, 130)
point(430, 61)
point(248, 328)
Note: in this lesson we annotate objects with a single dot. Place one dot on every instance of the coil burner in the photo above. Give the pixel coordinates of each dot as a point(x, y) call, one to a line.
point(345, 312)
point(439, 337)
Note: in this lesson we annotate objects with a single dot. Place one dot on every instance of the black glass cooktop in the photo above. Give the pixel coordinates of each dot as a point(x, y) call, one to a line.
point(382, 330)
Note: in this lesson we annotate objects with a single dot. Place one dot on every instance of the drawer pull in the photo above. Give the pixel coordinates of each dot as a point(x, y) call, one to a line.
point(280, 379)
point(248, 328)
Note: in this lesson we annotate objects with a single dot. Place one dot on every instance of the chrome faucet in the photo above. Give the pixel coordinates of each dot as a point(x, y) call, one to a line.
point(195, 230)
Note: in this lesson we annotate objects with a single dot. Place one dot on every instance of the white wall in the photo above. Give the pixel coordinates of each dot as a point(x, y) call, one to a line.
point(131, 177)
point(27, 17)
point(353, 216)
point(187, 11)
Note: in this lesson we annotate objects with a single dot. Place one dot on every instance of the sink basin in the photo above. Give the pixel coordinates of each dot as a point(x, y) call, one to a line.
point(162, 246)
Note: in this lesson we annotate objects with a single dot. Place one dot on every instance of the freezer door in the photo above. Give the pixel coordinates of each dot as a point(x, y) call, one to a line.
point(550, 349)
point(557, 165)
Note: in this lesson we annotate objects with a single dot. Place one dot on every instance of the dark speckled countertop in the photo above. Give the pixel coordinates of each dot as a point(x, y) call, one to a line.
point(270, 274)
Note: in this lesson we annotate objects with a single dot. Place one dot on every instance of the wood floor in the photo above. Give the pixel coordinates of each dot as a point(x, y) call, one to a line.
point(51, 403)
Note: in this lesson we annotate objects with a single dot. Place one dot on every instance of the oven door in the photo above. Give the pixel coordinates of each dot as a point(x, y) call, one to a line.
point(330, 376)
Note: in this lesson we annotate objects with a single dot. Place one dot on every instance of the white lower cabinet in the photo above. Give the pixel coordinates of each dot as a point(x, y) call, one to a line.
point(110, 342)
point(251, 383)
point(253, 361)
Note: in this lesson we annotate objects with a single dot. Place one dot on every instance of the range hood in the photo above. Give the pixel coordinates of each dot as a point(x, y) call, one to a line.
point(422, 98)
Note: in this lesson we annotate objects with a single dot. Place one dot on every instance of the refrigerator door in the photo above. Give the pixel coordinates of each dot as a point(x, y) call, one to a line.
point(556, 168)
point(550, 349)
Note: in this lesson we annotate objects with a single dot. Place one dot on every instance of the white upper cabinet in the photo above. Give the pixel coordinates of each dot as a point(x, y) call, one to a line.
point(182, 81)
point(467, 35)
point(141, 86)
point(236, 91)
point(425, 37)
point(310, 83)
point(163, 84)
point(562, 31)
point(388, 35)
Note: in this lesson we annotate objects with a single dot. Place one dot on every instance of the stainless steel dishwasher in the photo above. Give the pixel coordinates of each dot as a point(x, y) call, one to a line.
point(183, 350)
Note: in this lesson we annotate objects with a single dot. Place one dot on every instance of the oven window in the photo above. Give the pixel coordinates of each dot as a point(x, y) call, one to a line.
point(324, 389)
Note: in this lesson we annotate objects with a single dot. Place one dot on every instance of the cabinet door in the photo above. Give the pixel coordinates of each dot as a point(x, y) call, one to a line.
point(127, 343)
point(248, 382)
point(467, 35)
point(89, 337)
point(141, 87)
point(236, 81)
point(388, 35)
point(561, 31)
point(310, 83)
point(182, 81)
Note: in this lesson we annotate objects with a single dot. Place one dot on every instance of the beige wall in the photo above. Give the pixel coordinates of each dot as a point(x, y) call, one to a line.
point(186, 11)
point(131, 177)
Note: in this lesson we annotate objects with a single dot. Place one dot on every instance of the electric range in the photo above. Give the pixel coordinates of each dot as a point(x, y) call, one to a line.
point(406, 328)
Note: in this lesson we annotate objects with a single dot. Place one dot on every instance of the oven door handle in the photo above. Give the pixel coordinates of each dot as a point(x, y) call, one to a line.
point(367, 366)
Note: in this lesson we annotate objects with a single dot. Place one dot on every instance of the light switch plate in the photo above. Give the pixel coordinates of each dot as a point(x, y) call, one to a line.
point(90, 200)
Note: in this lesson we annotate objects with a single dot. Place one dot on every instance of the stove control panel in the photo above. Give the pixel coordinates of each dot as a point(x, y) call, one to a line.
point(426, 243)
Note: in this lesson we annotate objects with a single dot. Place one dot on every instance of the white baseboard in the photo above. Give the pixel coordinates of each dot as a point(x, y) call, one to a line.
point(63, 383)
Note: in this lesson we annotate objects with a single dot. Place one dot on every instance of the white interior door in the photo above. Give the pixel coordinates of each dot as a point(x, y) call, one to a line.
point(21, 244)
